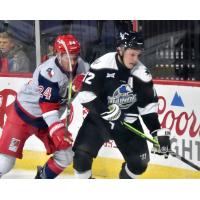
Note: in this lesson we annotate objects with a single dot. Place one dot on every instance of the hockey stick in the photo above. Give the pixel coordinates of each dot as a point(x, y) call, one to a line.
point(69, 95)
point(172, 153)
point(139, 133)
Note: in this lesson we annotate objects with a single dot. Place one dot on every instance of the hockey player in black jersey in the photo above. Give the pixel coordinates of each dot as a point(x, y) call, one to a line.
point(118, 87)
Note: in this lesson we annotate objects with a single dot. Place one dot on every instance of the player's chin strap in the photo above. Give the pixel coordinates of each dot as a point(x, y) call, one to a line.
point(172, 153)
point(69, 97)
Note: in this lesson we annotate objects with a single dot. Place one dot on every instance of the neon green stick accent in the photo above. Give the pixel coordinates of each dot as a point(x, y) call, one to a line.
point(70, 92)
point(139, 133)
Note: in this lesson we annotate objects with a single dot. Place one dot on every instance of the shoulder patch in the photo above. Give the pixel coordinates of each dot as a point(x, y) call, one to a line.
point(142, 72)
point(50, 72)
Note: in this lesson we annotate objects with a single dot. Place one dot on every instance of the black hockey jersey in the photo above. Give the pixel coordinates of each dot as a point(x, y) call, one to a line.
point(109, 82)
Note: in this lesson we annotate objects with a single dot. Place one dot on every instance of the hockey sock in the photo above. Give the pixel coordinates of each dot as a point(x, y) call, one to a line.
point(51, 169)
point(83, 175)
point(125, 173)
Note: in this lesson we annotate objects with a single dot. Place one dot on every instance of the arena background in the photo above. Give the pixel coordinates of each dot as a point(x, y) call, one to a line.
point(172, 55)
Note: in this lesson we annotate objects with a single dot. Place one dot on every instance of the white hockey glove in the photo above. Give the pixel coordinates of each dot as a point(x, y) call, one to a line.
point(163, 138)
point(113, 114)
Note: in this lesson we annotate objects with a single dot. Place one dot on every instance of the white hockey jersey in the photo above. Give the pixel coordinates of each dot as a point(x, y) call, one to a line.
point(39, 102)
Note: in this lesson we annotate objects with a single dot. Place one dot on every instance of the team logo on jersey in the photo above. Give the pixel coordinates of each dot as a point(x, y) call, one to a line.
point(50, 72)
point(148, 75)
point(110, 75)
point(147, 72)
point(14, 145)
point(123, 96)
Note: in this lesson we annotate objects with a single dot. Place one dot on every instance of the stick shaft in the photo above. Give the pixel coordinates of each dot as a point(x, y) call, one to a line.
point(69, 96)
point(184, 160)
point(139, 133)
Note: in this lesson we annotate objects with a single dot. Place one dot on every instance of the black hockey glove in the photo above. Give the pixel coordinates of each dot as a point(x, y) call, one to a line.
point(163, 138)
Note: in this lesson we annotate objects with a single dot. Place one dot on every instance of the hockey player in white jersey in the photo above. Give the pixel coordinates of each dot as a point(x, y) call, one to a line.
point(118, 87)
point(37, 110)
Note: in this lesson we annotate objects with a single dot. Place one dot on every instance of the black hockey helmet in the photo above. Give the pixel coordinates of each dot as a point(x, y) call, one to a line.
point(129, 39)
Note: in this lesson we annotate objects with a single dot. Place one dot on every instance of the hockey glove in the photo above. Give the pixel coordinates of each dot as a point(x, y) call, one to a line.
point(47, 141)
point(163, 138)
point(61, 138)
point(77, 82)
point(113, 113)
